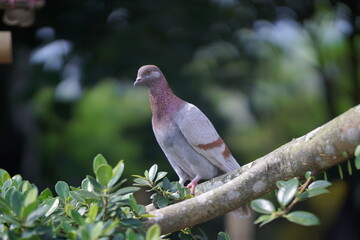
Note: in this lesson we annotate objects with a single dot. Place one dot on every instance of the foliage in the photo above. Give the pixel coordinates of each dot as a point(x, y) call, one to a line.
point(288, 194)
point(187, 234)
point(165, 192)
point(100, 208)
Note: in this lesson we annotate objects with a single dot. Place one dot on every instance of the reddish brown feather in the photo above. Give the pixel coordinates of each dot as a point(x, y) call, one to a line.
point(214, 144)
point(226, 153)
point(217, 143)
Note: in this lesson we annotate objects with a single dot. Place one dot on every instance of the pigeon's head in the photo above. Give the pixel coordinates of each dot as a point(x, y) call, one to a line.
point(148, 75)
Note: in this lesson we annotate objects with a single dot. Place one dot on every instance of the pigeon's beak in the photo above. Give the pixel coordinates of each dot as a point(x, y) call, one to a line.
point(138, 81)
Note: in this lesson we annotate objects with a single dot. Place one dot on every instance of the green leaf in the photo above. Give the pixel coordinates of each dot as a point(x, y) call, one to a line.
point(319, 184)
point(166, 184)
point(93, 211)
point(152, 172)
point(139, 176)
point(262, 206)
point(341, 174)
point(146, 174)
point(17, 179)
point(4, 176)
point(160, 175)
point(104, 174)
point(66, 226)
point(147, 216)
point(357, 162)
point(312, 193)
point(130, 235)
point(184, 236)
point(62, 189)
point(180, 190)
point(95, 231)
point(153, 233)
point(357, 151)
point(30, 197)
point(162, 202)
point(98, 160)
point(25, 186)
point(126, 190)
point(36, 214)
point(303, 218)
point(141, 182)
point(86, 185)
point(9, 219)
point(76, 196)
point(9, 193)
point(264, 219)
point(17, 202)
point(85, 232)
point(97, 187)
point(109, 227)
point(287, 191)
point(77, 217)
point(141, 210)
point(53, 204)
point(45, 194)
point(5, 204)
point(223, 236)
point(86, 194)
point(29, 208)
point(133, 203)
point(349, 168)
point(307, 175)
point(116, 173)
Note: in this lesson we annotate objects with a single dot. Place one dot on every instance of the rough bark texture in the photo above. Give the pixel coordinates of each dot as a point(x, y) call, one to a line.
point(316, 151)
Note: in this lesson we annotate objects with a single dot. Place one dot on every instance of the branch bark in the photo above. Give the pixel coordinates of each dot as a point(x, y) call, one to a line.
point(316, 151)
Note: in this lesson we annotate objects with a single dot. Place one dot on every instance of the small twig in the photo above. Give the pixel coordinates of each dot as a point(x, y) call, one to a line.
point(296, 199)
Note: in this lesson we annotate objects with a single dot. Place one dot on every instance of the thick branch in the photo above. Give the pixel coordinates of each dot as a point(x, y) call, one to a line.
point(316, 151)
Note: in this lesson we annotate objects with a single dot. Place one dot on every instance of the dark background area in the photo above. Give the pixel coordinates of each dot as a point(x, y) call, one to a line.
point(263, 71)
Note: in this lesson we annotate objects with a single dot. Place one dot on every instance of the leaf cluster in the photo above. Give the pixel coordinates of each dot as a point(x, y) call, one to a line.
point(101, 208)
point(165, 192)
point(288, 194)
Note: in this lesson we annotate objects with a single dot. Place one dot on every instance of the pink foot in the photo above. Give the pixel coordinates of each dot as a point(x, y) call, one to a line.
point(192, 188)
point(192, 185)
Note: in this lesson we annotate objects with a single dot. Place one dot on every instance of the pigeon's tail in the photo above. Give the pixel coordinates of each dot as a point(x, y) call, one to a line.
point(242, 212)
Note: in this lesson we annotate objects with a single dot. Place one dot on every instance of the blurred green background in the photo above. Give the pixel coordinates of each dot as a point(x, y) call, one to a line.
point(263, 71)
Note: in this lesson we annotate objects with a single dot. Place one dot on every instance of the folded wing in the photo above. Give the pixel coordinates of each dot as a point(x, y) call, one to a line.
point(202, 136)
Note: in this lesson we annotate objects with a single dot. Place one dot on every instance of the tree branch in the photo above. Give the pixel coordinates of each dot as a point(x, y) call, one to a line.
point(316, 151)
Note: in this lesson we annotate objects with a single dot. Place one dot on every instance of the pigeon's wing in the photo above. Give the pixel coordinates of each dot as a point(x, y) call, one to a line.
point(202, 136)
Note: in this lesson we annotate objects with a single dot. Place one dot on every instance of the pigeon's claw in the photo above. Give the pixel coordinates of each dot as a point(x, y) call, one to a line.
point(192, 185)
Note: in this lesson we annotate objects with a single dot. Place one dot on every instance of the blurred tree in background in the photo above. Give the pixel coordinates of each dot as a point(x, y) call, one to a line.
point(263, 71)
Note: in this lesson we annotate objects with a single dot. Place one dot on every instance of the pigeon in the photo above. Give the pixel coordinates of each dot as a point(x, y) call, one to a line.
point(187, 137)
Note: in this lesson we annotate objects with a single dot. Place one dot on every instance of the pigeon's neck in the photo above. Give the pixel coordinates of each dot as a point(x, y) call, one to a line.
point(164, 103)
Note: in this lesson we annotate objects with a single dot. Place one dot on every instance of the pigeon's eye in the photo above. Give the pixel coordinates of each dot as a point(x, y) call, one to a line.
point(148, 72)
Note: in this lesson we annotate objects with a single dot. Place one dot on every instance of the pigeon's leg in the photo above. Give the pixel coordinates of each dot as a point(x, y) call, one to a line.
point(182, 181)
point(193, 184)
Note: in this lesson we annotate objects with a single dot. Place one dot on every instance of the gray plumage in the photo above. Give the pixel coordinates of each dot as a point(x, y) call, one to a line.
point(187, 137)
